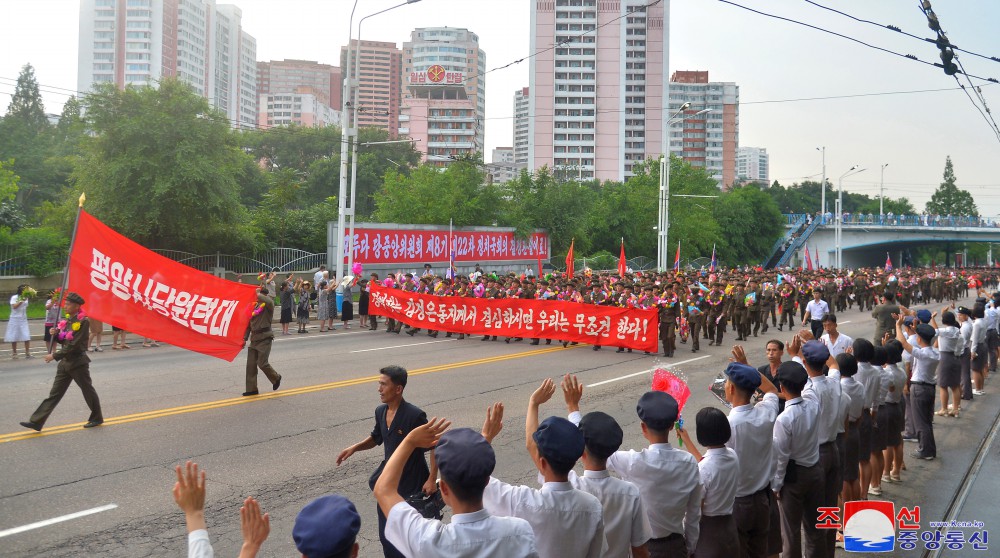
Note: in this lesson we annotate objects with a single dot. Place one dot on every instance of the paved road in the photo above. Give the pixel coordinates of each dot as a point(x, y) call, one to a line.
point(165, 405)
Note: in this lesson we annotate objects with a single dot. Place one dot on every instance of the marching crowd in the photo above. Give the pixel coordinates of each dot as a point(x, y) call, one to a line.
point(802, 435)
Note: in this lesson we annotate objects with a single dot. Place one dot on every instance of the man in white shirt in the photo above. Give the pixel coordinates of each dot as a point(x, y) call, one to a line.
point(668, 479)
point(321, 275)
point(798, 478)
point(816, 310)
point(755, 510)
point(835, 341)
point(465, 460)
point(566, 521)
point(625, 525)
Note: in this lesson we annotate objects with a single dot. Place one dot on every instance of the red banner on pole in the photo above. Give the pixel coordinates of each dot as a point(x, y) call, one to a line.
point(631, 328)
point(373, 245)
point(141, 291)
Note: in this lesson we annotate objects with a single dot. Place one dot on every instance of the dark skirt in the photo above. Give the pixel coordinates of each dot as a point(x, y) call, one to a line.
point(949, 370)
point(719, 538)
point(851, 446)
point(894, 424)
point(286, 315)
point(347, 311)
point(880, 433)
point(363, 304)
point(865, 436)
point(982, 354)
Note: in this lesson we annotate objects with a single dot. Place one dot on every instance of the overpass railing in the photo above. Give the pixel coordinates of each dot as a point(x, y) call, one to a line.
point(784, 242)
point(890, 220)
point(797, 243)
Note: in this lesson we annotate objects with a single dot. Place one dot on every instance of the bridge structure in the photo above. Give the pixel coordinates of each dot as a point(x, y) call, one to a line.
point(867, 239)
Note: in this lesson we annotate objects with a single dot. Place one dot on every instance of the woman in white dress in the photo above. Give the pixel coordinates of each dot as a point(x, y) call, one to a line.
point(17, 327)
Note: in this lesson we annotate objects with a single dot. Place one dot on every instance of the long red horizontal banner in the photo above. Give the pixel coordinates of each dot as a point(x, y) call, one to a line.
point(408, 246)
point(631, 328)
point(138, 290)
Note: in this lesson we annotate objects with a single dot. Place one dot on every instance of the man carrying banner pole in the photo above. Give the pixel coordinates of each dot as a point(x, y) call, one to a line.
point(261, 336)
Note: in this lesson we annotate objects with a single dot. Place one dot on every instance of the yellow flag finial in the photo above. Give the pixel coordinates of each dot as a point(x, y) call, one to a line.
point(83, 198)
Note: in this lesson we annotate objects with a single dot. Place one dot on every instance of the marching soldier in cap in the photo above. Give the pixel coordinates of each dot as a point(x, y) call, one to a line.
point(260, 335)
point(73, 334)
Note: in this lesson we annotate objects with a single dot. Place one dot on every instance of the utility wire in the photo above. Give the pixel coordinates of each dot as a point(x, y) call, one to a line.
point(898, 30)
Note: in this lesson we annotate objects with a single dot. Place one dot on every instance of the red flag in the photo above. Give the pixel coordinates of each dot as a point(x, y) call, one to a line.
point(677, 257)
point(569, 259)
point(141, 291)
point(816, 258)
point(622, 268)
point(540, 266)
point(809, 260)
point(888, 262)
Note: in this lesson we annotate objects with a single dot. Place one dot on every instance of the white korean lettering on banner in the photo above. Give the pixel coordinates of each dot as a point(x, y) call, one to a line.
point(100, 269)
point(633, 328)
point(553, 320)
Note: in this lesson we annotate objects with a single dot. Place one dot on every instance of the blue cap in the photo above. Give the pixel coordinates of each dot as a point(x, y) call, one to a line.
point(657, 409)
point(743, 376)
point(815, 351)
point(908, 321)
point(601, 433)
point(926, 332)
point(326, 526)
point(465, 458)
point(559, 441)
point(924, 316)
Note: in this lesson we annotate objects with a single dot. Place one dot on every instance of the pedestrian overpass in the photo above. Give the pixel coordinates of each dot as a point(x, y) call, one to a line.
point(865, 239)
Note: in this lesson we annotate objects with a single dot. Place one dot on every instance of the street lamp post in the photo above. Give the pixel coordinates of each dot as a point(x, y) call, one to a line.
point(822, 187)
point(881, 185)
point(840, 213)
point(663, 227)
point(349, 128)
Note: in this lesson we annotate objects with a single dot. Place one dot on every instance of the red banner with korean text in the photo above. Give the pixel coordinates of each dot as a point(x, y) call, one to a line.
point(138, 290)
point(379, 245)
point(609, 326)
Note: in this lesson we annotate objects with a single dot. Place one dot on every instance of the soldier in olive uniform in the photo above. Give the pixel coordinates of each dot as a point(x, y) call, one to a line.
point(786, 300)
point(261, 336)
point(669, 305)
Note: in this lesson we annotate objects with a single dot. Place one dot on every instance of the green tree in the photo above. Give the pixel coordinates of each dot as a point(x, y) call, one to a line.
point(432, 196)
point(540, 201)
point(164, 168)
point(752, 223)
point(11, 216)
point(25, 137)
point(949, 199)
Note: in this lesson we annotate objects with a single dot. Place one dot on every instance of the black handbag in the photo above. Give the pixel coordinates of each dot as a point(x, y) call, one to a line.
point(429, 506)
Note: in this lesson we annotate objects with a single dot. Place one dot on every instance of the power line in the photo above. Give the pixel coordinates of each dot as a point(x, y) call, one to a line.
point(898, 30)
point(849, 38)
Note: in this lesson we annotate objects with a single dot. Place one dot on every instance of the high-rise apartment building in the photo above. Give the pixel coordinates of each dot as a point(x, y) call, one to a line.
point(287, 76)
point(380, 67)
point(706, 140)
point(752, 165)
point(443, 81)
point(596, 99)
point(303, 107)
point(521, 115)
point(138, 42)
point(503, 155)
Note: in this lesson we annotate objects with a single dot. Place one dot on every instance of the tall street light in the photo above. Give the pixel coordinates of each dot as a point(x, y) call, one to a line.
point(881, 185)
point(349, 129)
point(822, 187)
point(840, 213)
point(662, 246)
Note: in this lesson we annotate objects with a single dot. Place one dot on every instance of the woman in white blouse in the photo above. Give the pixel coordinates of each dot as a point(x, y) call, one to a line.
point(949, 373)
point(979, 349)
point(966, 321)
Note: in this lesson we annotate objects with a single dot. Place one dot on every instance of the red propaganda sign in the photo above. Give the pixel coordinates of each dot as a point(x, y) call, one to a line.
point(141, 291)
point(402, 246)
point(631, 328)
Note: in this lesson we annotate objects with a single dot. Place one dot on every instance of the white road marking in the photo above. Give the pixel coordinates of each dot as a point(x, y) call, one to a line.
point(400, 346)
point(842, 323)
point(644, 372)
point(54, 520)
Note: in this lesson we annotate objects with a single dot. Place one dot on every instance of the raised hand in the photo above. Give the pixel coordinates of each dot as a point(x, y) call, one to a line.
point(739, 355)
point(189, 491)
point(494, 421)
point(544, 392)
point(427, 435)
point(255, 526)
point(572, 392)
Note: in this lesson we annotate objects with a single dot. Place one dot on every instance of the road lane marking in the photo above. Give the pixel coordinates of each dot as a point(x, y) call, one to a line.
point(54, 520)
point(401, 346)
point(218, 404)
point(627, 376)
point(847, 322)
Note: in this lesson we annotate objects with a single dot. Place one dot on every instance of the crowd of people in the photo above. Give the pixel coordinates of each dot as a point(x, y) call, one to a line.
point(805, 434)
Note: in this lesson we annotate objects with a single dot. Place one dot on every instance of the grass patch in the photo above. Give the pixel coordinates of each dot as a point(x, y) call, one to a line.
point(36, 309)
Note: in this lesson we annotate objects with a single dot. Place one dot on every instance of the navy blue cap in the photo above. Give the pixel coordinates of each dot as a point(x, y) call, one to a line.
point(815, 351)
point(924, 316)
point(558, 441)
point(601, 433)
point(743, 376)
point(465, 458)
point(908, 321)
point(926, 332)
point(791, 374)
point(657, 409)
point(326, 526)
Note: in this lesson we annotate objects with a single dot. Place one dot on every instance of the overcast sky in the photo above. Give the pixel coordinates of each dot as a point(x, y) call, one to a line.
point(772, 61)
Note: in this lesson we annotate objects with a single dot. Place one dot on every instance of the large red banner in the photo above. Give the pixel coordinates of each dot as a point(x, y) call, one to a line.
point(631, 328)
point(407, 246)
point(141, 291)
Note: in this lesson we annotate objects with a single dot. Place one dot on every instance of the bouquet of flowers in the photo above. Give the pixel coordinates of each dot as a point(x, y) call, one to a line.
point(28, 293)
